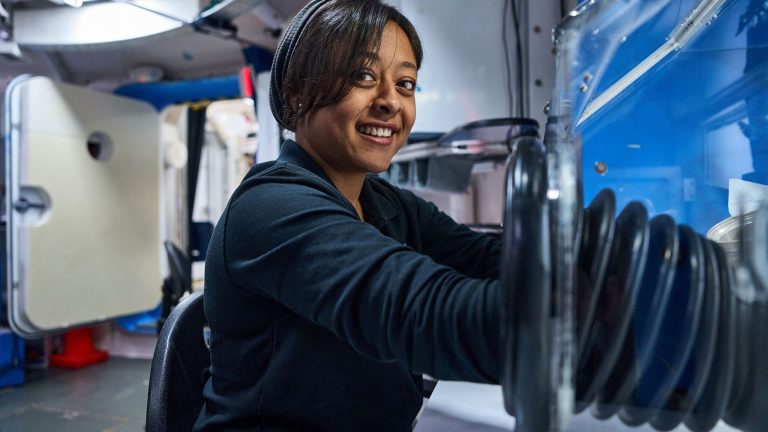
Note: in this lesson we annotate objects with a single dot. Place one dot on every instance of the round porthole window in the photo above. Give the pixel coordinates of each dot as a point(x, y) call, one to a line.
point(100, 146)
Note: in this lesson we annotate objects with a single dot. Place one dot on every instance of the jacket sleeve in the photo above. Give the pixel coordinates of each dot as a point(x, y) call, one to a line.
point(300, 246)
point(453, 244)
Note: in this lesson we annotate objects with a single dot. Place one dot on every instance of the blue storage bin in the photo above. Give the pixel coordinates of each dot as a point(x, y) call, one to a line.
point(11, 359)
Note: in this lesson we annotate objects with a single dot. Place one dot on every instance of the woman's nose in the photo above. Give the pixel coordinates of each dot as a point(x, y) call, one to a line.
point(387, 101)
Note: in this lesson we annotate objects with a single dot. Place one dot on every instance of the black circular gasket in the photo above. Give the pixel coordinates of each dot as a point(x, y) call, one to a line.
point(670, 349)
point(526, 289)
point(695, 373)
point(711, 404)
point(615, 307)
point(653, 293)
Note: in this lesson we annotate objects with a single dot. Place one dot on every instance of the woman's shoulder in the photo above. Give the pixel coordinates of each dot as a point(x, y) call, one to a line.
point(268, 178)
point(274, 190)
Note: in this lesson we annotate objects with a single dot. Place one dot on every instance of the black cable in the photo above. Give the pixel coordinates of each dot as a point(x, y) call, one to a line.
point(519, 56)
point(504, 40)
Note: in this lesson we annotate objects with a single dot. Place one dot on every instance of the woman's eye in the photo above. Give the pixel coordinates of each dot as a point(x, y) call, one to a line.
point(365, 76)
point(408, 85)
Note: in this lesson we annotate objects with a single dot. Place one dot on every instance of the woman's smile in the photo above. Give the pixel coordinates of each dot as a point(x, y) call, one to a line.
point(378, 133)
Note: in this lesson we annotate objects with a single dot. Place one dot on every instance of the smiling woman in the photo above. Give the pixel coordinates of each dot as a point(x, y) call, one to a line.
point(328, 291)
point(361, 133)
point(327, 55)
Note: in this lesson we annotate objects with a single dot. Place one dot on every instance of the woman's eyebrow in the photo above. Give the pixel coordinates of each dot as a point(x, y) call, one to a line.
point(374, 57)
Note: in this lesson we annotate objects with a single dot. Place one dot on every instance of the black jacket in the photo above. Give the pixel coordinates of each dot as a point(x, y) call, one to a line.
point(320, 321)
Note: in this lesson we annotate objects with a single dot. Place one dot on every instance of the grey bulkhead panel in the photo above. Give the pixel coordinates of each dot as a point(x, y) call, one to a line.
point(83, 235)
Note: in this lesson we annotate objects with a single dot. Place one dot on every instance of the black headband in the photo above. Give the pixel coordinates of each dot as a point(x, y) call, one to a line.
point(284, 53)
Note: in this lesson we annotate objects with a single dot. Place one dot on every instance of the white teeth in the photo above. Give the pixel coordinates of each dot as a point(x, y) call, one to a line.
point(379, 132)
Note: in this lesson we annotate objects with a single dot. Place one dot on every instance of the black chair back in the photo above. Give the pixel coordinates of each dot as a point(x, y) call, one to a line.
point(179, 369)
point(181, 270)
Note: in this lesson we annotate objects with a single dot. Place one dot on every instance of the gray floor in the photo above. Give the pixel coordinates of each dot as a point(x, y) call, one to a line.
point(433, 420)
point(111, 397)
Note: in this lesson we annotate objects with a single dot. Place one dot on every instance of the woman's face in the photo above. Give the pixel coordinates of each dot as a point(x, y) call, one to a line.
point(361, 133)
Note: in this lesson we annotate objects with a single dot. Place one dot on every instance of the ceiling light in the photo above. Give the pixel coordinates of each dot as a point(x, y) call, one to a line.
point(73, 3)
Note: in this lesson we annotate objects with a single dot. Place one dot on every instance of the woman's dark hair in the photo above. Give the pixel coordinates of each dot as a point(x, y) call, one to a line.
point(333, 50)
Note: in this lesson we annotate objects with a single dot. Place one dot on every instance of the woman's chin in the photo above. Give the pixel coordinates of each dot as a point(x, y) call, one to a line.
point(378, 167)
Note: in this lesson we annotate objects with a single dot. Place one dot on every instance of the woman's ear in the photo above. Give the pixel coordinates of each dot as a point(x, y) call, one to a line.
point(300, 122)
point(290, 109)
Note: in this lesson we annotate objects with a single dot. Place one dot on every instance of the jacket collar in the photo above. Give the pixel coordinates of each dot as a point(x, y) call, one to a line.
point(293, 154)
point(376, 206)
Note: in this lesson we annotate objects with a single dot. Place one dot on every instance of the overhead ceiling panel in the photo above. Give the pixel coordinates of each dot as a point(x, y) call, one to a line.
point(88, 26)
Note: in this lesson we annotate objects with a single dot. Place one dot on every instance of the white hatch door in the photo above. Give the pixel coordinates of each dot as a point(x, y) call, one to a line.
point(82, 199)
